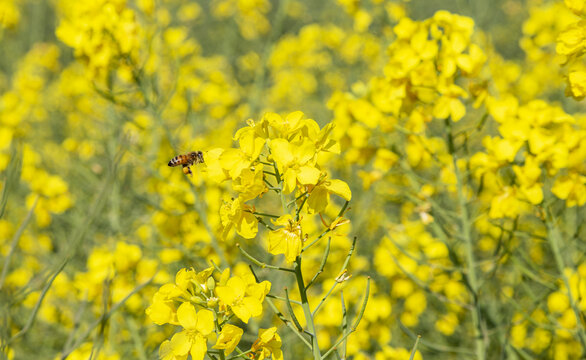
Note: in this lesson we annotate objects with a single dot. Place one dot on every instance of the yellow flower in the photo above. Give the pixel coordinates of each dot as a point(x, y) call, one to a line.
point(319, 196)
point(162, 310)
point(234, 161)
point(244, 296)
point(528, 177)
point(100, 32)
point(577, 6)
point(572, 40)
point(557, 302)
point(449, 104)
point(188, 283)
point(294, 162)
point(250, 183)
point(571, 188)
point(576, 84)
point(228, 338)
point(505, 204)
point(238, 215)
point(447, 324)
point(284, 127)
point(267, 344)
point(192, 340)
point(287, 240)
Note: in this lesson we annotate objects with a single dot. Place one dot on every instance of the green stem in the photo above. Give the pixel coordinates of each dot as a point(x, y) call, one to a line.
point(307, 310)
point(260, 263)
point(287, 322)
point(356, 321)
point(219, 329)
point(328, 229)
point(323, 300)
point(555, 238)
point(15, 239)
point(265, 214)
point(300, 207)
point(471, 276)
point(414, 350)
point(283, 299)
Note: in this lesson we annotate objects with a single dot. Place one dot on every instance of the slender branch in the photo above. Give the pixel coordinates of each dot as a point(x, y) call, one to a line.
point(37, 306)
point(15, 239)
point(326, 230)
point(470, 275)
point(321, 266)
point(323, 299)
point(434, 346)
point(300, 207)
point(291, 312)
point(555, 238)
point(307, 310)
point(260, 263)
point(283, 299)
point(356, 322)
point(414, 350)
point(265, 214)
point(105, 317)
point(345, 328)
point(287, 322)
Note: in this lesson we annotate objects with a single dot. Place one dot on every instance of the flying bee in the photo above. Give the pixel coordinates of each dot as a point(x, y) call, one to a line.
point(192, 158)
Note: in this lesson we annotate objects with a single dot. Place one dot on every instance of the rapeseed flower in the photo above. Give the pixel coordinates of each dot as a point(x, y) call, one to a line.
point(267, 344)
point(197, 325)
point(288, 239)
point(243, 296)
point(228, 338)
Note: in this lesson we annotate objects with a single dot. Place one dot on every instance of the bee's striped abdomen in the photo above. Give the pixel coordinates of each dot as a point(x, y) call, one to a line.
point(177, 160)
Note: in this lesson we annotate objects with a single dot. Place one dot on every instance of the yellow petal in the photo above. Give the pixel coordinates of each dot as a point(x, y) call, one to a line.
point(187, 316)
point(253, 305)
point(276, 242)
point(339, 188)
point(242, 312)
point(282, 153)
point(308, 175)
point(166, 350)
point(226, 294)
point(234, 161)
point(247, 226)
point(305, 152)
point(534, 194)
point(293, 248)
point(289, 181)
point(457, 110)
point(199, 348)
point(161, 312)
point(205, 322)
point(562, 187)
point(238, 285)
point(318, 199)
point(214, 168)
point(229, 338)
point(251, 144)
point(180, 343)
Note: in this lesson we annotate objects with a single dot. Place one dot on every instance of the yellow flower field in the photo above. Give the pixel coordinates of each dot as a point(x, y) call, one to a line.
point(292, 179)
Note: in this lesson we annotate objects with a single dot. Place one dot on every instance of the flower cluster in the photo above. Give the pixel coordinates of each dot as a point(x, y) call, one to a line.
point(535, 127)
point(103, 33)
point(290, 150)
point(250, 15)
point(202, 305)
point(570, 44)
